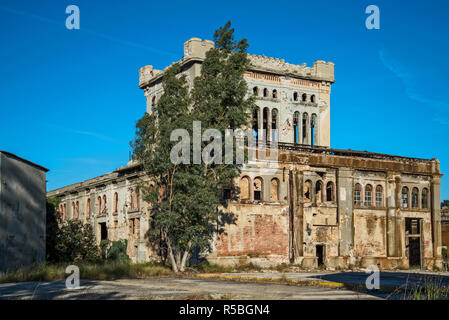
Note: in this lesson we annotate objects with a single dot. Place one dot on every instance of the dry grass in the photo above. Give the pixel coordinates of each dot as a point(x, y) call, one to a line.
point(106, 271)
point(430, 288)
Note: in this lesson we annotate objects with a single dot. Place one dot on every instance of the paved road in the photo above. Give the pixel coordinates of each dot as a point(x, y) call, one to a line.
point(171, 288)
point(404, 279)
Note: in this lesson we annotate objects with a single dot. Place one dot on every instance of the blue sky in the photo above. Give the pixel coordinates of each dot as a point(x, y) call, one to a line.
point(69, 99)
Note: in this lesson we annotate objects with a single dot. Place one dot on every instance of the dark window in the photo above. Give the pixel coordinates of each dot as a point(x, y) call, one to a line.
point(255, 91)
point(330, 191)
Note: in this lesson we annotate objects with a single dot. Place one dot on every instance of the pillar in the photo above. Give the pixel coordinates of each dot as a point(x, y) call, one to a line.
point(436, 217)
point(345, 211)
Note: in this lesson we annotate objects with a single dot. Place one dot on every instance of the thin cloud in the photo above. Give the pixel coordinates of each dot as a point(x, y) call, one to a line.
point(88, 161)
point(409, 81)
point(85, 30)
point(93, 134)
point(84, 133)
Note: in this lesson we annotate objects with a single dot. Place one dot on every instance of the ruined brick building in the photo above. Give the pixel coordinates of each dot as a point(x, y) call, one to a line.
point(314, 205)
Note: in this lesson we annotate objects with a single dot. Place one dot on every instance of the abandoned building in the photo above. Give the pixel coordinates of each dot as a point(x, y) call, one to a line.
point(22, 212)
point(312, 206)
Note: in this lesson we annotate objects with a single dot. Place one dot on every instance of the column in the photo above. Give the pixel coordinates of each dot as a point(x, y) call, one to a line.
point(436, 217)
point(345, 211)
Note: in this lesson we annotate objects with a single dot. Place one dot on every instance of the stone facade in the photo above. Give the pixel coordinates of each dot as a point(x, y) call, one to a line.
point(313, 205)
point(445, 227)
point(22, 212)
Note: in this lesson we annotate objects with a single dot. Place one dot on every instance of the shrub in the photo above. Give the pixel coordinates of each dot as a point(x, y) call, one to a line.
point(75, 242)
point(444, 254)
point(115, 251)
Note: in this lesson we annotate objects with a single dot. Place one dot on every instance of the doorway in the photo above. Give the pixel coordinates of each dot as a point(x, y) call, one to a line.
point(103, 231)
point(413, 241)
point(320, 254)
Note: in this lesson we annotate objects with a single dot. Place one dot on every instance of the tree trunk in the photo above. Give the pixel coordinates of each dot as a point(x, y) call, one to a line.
point(174, 265)
point(184, 258)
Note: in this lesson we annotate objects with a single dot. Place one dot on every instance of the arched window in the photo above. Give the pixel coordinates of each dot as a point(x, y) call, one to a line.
point(305, 125)
point(295, 96)
point(274, 124)
point(88, 208)
point(258, 185)
point(77, 210)
point(103, 204)
point(115, 208)
point(256, 91)
point(312, 98)
point(64, 215)
point(330, 191)
point(134, 199)
point(296, 127)
point(99, 205)
point(265, 123)
point(415, 195)
point(358, 194)
point(73, 210)
point(318, 191)
point(312, 129)
point(244, 188)
point(265, 92)
point(304, 97)
point(379, 196)
point(404, 197)
point(256, 124)
point(274, 190)
point(368, 195)
point(308, 191)
point(425, 198)
point(275, 94)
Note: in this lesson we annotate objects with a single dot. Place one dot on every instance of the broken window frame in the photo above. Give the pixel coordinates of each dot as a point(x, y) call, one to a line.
point(404, 197)
point(358, 194)
point(425, 198)
point(330, 191)
point(258, 192)
point(368, 195)
point(415, 198)
point(379, 196)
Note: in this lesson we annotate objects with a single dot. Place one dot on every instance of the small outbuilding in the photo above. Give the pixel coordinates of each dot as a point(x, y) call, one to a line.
point(22, 211)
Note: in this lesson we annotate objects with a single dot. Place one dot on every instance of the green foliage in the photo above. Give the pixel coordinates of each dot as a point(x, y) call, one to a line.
point(444, 254)
point(445, 204)
point(115, 251)
point(76, 242)
point(52, 229)
point(71, 241)
point(431, 288)
point(186, 197)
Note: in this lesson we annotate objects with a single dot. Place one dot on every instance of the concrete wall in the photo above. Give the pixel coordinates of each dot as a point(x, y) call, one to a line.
point(22, 213)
